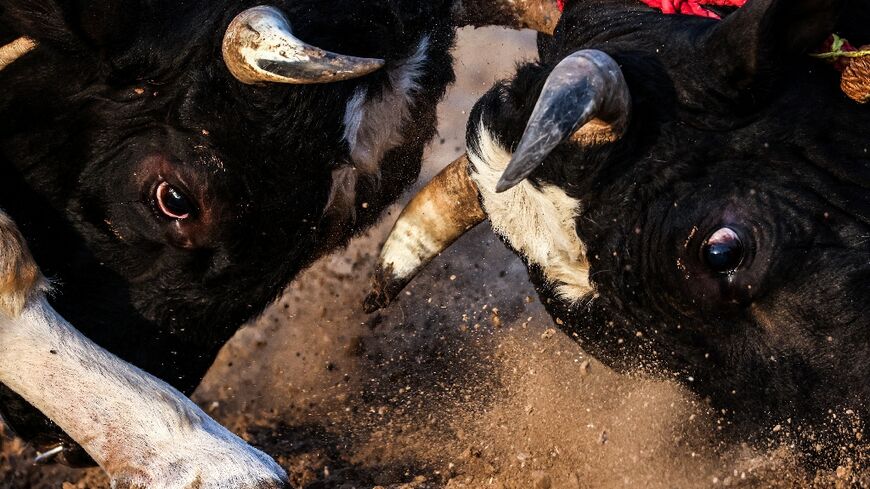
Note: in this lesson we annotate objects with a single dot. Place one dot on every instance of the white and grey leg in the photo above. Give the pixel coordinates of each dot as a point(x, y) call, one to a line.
point(140, 430)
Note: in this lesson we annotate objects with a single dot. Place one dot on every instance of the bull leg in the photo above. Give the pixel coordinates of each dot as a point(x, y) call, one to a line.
point(141, 431)
point(538, 15)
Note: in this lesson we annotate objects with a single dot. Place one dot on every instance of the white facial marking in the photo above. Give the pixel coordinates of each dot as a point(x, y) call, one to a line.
point(539, 223)
point(140, 430)
point(374, 125)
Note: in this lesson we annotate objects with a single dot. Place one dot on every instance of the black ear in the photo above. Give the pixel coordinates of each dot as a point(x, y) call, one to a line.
point(765, 35)
point(71, 23)
point(102, 23)
point(40, 20)
point(547, 46)
point(855, 21)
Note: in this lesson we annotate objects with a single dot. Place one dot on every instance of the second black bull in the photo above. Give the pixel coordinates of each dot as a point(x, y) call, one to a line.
point(691, 197)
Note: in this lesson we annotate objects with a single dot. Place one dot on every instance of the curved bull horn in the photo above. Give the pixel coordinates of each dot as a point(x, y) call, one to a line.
point(259, 47)
point(14, 50)
point(438, 215)
point(585, 97)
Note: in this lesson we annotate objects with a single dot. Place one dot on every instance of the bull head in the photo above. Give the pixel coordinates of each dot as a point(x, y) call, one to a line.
point(259, 47)
point(585, 99)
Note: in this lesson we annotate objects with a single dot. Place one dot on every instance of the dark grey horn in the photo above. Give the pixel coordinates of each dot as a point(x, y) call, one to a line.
point(586, 98)
point(259, 47)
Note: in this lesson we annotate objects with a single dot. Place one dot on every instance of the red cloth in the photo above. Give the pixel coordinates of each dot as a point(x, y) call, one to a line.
point(688, 7)
point(691, 7)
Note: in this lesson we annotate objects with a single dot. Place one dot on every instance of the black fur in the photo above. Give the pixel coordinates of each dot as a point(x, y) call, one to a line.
point(733, 125)
point(120, 93)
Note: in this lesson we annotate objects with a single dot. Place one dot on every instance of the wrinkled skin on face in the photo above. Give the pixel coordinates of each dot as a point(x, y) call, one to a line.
point(727, 232)
point(169, 201)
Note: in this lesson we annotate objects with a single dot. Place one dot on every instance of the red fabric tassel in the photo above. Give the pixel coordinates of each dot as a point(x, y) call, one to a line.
point(691, 7)
point(687, 7)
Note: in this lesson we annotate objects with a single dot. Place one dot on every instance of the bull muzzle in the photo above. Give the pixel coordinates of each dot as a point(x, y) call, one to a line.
point(259, 47)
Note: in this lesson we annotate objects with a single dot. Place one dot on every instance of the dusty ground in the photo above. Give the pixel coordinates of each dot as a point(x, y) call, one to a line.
point(462, 384)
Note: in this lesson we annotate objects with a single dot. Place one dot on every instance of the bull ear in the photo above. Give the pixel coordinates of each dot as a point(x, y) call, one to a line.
point(73, 23)
point(758, 38)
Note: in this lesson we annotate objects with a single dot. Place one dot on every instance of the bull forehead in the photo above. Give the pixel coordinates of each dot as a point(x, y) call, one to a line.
point(625, 26)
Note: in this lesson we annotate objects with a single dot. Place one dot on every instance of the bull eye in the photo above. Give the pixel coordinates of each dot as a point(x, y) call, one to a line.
point(172, 203)
point(723, 251)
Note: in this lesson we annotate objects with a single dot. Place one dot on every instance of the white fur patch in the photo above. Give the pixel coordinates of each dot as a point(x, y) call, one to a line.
point(374, 125)
point(539, 223)
point(140, 430)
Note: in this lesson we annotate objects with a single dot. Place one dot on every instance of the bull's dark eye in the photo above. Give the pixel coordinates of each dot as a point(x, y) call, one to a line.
point(172, 203)
point(723, 251)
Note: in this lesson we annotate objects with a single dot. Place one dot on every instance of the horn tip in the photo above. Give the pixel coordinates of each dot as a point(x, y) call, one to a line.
point(374, 302)
point(504, 184)
point(386, 286)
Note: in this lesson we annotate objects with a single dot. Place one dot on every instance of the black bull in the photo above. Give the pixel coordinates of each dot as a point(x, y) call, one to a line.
point(173, 180)
point(691, 197)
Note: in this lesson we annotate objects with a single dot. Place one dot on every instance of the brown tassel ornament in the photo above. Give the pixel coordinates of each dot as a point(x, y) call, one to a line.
point(854, 65)
point(855, 80)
